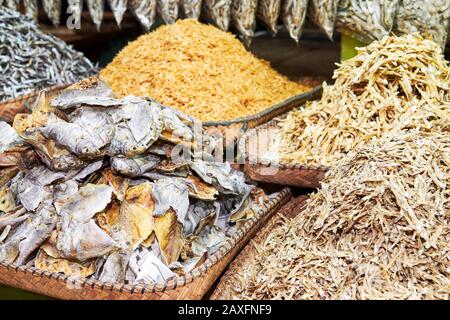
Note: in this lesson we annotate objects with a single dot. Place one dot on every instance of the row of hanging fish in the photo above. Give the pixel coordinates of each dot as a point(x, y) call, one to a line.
point(366, 20)
point(90, 185)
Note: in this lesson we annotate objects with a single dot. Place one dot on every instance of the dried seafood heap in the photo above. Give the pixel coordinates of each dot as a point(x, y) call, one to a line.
point(392, 83)
point(199, 70)
point(32, 60)
point(90, 186)
point(379, 228)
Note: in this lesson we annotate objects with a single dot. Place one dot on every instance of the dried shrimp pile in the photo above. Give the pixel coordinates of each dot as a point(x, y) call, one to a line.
point(200, 70)
point(392, 83)
point(377, 229)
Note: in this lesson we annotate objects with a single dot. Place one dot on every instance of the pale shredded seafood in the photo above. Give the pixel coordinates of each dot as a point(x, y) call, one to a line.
point(392, 83)
point(378, 228)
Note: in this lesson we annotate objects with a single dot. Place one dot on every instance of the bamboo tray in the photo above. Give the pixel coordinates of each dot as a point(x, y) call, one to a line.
point(193, 285)
point(22, 104)
point(228, 287)
point(256, 142)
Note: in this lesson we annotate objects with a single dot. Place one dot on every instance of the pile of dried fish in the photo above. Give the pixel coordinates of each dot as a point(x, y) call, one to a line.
point(91, 186)
point(31, 59)
point(379, 228)
point(429, 17)
point(395, 82)
point(199, 70)
point(366, 20)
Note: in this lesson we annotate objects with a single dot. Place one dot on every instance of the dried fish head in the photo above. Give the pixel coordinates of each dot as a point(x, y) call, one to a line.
point(134, 167)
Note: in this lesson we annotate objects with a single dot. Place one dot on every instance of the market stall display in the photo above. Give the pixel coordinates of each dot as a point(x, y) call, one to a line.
point(378, 228)
point(31, 60)
point(108, 199)
point(199, 70)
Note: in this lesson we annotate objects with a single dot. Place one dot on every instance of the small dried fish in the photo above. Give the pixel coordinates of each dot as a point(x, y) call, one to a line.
point(366, 20)
point(168, 10)
point(118, 7)
point(32, 60)
point(96, 10)
point(323, 13)
point(243, 17)
point(219, 12)
point(53, 10)
point(293, 15)
point(192, 8)
point(144, 11)
point(268, 12)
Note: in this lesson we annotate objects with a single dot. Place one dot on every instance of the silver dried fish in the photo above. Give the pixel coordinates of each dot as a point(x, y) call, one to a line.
point(192, 8)
point(243, 17)
point(366, 20)
point(170, 193)
point(144, 11)
point(168, 10)
point(53, 10)
point(268, 12)
point(219, 12)
point(9, 139)
point(323, 13)
point(118, 7)
point(293, 15)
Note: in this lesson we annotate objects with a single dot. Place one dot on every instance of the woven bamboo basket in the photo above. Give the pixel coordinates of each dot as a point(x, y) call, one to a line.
point(22, 104)
point(227, 289)
point(257, 142)
point(193, 285)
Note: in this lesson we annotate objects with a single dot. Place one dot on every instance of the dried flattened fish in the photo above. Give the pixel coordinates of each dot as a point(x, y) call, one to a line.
point(323, 13)
point(13, 218)
point(118, 183)
point(58, 265)
point(144, 11)
point(9, 138)
point(293, 13)
point(7, 199)
point(118, 7)
point(169, 232)
point(172, 194)
point(168, 10)
point(200, 190)
point(136, 166)
point(268, 12)
point(148, 268)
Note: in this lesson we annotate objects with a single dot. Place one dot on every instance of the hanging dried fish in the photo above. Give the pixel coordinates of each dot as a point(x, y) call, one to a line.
point(118, 7)
point(52, 9)
point(366, 20)
point(219, 12)
point(293, 15)
point(144, 11)
point(96, 10)
point(32, 60)
point(431, 18)
point(243, 17)
point(268, 12)
point(323, 13)
point(13, 4)
point(192, 8)
point(31, 8)
point(75, 7)
point(168, 10)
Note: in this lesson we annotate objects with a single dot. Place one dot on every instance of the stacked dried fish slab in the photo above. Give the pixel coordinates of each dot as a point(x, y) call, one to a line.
point(91, 186)
point(32, 60)
point(395, 82)
point(378, 228)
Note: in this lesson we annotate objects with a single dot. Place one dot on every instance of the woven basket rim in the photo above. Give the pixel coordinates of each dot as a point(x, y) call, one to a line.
point(172, 284)
point(33, 93)
point(281, 165)
point(298, 98)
